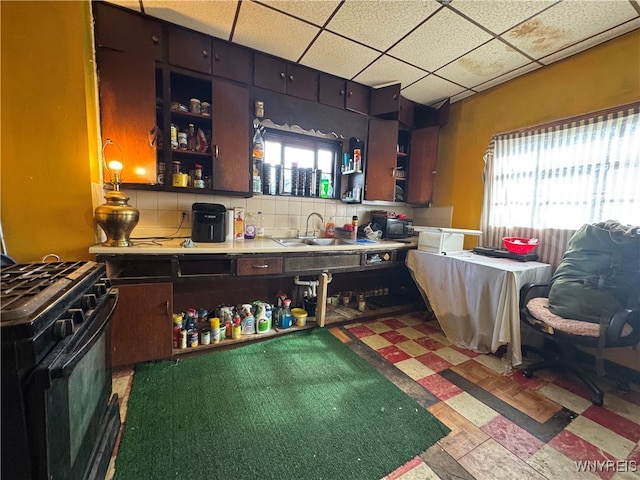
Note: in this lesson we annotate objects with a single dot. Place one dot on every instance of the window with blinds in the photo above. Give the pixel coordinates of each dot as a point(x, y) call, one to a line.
point(562, 175)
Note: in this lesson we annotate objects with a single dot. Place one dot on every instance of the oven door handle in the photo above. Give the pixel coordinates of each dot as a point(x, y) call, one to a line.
point(62, 366)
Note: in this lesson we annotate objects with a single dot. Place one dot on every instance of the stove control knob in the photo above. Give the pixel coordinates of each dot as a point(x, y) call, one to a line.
point(89, 301)
point(63, 328)
point(100, 289)
point(77, 315)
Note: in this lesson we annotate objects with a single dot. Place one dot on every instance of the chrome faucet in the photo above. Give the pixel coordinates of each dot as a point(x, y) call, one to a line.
point(306, 229)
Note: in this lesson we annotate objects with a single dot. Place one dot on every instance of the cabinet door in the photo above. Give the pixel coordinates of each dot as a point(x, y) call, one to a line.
point(189, 49)
point(128, 110)
point(406, 111)
point(357, 99)
point(126, 31)
point(302, 82)
point(385, 100)
point(230, 61)
point(269, 73)
point(422, 165)
point(381, 160)
point(331, 90)
point(141, 328)
point(230, 148)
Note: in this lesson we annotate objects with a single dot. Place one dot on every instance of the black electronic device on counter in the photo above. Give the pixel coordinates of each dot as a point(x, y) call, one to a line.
point(392, 228)
point(208, 223)
point(500, 253)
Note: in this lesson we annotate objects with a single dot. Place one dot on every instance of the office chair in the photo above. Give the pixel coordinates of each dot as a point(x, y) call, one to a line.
point(567, 334)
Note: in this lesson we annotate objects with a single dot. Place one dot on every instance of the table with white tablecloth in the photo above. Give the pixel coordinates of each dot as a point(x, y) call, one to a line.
point(475, 298)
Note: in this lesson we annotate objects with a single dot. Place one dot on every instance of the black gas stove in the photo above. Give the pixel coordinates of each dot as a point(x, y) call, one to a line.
point(59, 417)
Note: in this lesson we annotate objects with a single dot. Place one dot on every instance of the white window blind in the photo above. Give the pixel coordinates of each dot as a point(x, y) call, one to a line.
point(559, 177)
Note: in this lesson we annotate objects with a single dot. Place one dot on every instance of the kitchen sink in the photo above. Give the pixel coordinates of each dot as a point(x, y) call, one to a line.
point(305, 242)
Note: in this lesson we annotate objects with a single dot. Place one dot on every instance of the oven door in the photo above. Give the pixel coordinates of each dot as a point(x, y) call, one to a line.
point(73, 419)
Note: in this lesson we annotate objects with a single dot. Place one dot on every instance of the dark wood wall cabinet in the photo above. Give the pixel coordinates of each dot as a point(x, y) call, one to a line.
point(341, 93)
point(281, 76)
point(149, 70)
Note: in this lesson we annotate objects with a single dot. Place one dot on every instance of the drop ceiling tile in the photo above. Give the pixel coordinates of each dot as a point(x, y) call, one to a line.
point(592, 42)
point(440, 40)
point(286, 37)
point(336, 55)
point(483, 64)
point(431, 89)
point(212, 18)
point(508, 76)
point(380, 24)
point(316, 12)
point(387, 70)
point(500, 15)
point(567, 23)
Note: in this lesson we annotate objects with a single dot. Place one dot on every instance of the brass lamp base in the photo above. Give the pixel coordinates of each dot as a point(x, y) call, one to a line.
point(117, 218)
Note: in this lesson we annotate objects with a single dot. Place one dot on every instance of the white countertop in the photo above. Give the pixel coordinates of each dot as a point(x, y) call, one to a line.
point(261, 245)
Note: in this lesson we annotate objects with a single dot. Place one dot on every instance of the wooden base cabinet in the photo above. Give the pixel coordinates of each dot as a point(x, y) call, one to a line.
point(141, 326)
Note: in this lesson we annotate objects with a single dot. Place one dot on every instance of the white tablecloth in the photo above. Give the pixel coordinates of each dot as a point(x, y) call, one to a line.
point(475, 298)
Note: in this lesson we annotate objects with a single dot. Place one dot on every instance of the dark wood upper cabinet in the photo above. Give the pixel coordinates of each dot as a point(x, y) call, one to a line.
point(281, 76)
point(230, 61)
point(422, 165)
point(341, 93)
point(357, 99)
point(189, 49)
point(231, 157)
point(386, 102)
point(121, 30)
point(382, 144)
point(128, 111)
point(332, 90)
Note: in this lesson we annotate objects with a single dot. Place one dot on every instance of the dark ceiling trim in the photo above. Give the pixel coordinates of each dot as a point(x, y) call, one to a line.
point(235, 21)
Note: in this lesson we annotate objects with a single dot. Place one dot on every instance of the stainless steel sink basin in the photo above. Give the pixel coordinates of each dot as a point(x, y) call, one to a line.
point(305, 242)
point(328, 241)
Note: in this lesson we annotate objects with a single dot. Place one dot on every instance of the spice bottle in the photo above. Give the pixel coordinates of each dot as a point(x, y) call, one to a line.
point(354, 223)
point(191, 137)
point(198, 181)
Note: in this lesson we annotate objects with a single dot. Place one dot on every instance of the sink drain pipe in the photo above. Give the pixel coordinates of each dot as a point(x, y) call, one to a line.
point(312, 284)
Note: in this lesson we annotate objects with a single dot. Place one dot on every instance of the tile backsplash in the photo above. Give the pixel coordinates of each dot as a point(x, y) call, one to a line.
point(161, 212)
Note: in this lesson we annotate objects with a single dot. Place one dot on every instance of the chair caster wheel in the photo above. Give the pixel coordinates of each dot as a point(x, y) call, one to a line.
point(526, 373)
point(597, 400)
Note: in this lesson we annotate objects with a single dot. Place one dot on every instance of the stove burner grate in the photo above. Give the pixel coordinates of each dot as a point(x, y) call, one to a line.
point(28, 287)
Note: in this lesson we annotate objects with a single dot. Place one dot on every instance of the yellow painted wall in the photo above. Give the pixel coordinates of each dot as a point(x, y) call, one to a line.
point(48, 121)
point(602, 77)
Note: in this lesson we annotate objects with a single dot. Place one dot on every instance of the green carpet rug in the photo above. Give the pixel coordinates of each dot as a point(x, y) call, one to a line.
point(298, 406)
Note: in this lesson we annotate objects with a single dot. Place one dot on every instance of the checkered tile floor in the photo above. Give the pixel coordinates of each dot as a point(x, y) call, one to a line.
point(503, 424)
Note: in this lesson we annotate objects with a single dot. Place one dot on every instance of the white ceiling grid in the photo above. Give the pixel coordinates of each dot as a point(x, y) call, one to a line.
point(435, 48)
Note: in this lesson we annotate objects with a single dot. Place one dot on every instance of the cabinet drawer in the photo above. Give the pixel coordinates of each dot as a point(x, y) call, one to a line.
point(258, 266)
point(322, 262)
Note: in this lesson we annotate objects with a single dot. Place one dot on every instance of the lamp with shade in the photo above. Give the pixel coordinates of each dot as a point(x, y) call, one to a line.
point(116, 217)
